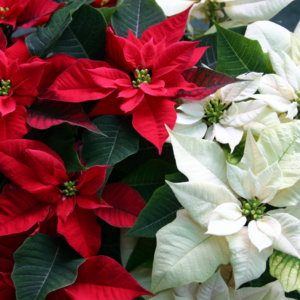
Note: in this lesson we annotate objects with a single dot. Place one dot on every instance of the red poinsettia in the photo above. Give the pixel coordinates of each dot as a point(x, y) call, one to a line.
point(26, 13)
point(40, 186)
point(98, 277)
point(140, 79)
point(18, 82)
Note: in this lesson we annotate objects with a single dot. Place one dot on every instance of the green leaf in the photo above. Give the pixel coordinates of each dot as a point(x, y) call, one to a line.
point(86, 41)
point(146, 152)
point(44, 264)
point(238, 55)
point(137, 15)
point(121, 140)
point(61, 140)
point(159, 211)
point(142, 255)
point(286, 269)
point(149, 177)
point(108, 12)
point(41, 42)
point(209, 57)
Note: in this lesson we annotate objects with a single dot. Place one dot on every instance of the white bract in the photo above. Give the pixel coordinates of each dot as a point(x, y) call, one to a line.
point(213, 118)
point(229, 201)
point(281, 91)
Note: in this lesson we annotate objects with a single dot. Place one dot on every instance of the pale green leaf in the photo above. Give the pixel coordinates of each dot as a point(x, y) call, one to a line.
point(282, 143)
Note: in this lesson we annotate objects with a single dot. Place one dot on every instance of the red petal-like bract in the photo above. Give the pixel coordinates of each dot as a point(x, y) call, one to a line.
point(46, 113)
point(126, 204)
point(102, 278)
point(37, 13)
point(150, 117)
point(208, 81)
point(18, 51)
point(13, 125)
point(19, 210)
point(172, 29)
point(81, 231)
point(75, 84)
point(15, 166)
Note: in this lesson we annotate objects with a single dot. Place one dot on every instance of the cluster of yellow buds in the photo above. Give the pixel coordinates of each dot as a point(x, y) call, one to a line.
point(70, 189)
point(141, 76)
point(5, 87)
point(3, 10)
point(252, 209)
point(214, 111)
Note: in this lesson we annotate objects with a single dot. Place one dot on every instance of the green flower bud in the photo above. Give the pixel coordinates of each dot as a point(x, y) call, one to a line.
point(247, 205)
point(259, 212)
point(252, 212)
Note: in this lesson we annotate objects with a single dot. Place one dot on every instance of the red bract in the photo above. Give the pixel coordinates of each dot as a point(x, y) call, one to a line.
point(18, 82)
point(37, 13)
point(40, 183)
point(125, 205)
point(145, 74)
point(13, 125)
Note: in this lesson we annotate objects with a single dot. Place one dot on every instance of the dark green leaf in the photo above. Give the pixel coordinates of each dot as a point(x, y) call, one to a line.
point(137, 15)
point(121, 141)
point(209, 57)
point(84, 41)
point(41, 42)
point(60, 139)
point(149, 176)
point(159, 211)
point(146, 152)
point(142, 255)
point(44, 264)
point(108, 12)
point(238, 55)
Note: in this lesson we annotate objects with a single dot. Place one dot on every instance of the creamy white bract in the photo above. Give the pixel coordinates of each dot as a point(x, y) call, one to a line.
point(226, 218)
point(224, 116)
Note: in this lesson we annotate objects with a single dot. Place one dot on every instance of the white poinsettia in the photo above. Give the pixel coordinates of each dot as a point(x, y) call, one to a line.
point(281, 91)
point(220, 117)
point(230, 201)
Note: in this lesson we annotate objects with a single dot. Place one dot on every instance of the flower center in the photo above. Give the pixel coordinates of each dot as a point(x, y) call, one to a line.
point(214, 110)
point(104, 2)
point(3, 10)
point(140, 77)
point(298, 99)
point(5, 87)
point(252, 209)
point(70, 189)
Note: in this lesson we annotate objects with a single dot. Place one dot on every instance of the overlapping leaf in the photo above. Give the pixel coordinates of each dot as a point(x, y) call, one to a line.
point(137, 15)
point(46, 113)
point(86, 41)
point(41, 42)
point(121, 140)
point(159, 211)
point(44, 264)
point(238, 55)
point(207, 80)
point(149, 176)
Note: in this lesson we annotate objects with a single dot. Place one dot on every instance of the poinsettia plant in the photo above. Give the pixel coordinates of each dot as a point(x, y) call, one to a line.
point(142, 157)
